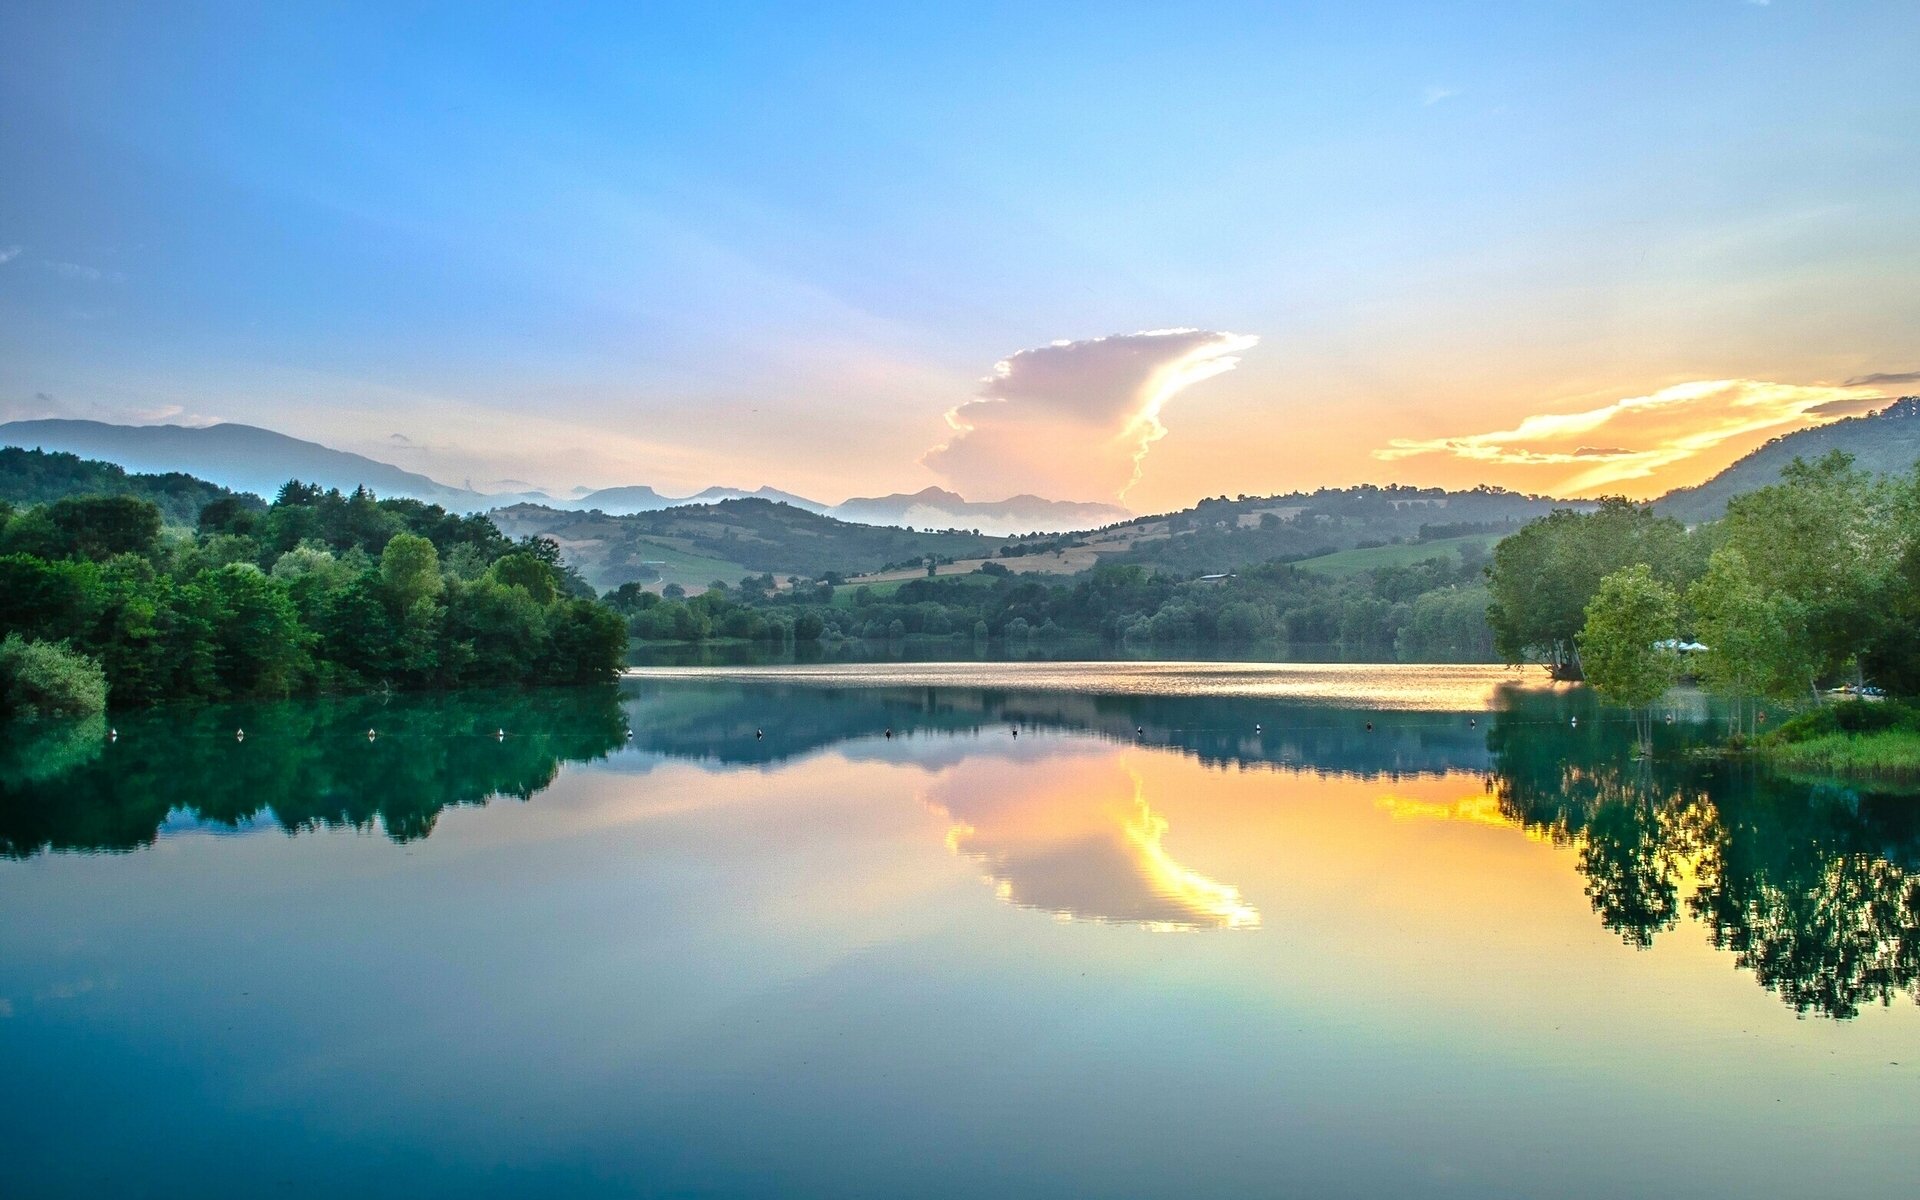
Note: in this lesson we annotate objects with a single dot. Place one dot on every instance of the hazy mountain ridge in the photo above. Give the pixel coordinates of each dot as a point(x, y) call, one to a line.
point(243, 458)
point(939, 508)
point(1886, 442)
point(248, 458)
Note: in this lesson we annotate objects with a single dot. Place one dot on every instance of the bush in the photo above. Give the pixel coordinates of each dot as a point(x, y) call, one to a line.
point(40, 679)
point(1847, 716)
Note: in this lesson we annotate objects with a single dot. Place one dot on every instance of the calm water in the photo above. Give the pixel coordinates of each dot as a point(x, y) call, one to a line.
point(1195, 931)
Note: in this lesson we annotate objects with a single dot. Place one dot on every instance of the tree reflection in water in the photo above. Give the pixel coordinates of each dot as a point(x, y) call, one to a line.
point(303, 764)
point(1815, 889)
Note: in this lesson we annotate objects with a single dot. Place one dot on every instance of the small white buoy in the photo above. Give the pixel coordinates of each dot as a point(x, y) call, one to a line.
point(500, 735)
point(1139, 731)
point(1256, 727)
point(239, 735)
point(889, 731)
point(1473, 722)
point(758, 734)
point(1369, 726)
point(1573, 721)
point(371, 735)
point(629, 735)
point(113, 735)
point(1016, 731)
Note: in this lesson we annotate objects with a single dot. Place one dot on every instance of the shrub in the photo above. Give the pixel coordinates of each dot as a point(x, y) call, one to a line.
point(47, 679)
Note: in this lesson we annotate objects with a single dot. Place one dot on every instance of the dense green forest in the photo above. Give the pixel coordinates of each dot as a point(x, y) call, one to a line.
point(317, 592)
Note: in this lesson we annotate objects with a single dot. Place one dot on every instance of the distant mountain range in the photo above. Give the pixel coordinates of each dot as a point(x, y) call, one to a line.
point(1886, 442)
point(250, 459)
point(937, 508)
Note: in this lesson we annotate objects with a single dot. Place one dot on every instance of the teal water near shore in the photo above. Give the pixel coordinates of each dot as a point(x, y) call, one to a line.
point(1204, 929)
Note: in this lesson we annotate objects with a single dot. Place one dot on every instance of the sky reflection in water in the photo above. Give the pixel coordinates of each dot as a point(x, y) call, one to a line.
point(1170, 939)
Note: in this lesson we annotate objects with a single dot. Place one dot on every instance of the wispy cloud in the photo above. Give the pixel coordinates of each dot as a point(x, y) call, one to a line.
point(9, 253)
point(1437, 92)
point(80, 271)
point(1645, 433)
point(1074, 420)
point(1885, 378)
point(43, 405)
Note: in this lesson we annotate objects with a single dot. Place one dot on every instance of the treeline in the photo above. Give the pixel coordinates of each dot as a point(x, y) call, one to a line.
point(1434, 608)
point(1216, 534)
point(1811, 582)
point(30, 477)
point(317, 592)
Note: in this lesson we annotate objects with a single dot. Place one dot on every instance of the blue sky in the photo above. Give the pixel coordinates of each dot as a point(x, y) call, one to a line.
point(743, 244)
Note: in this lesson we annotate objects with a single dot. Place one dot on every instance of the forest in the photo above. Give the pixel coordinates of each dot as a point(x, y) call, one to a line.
point(102, 601)
point(1433, 608)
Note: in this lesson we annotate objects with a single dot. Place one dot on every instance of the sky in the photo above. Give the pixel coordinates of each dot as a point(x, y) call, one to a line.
point(1132, 253)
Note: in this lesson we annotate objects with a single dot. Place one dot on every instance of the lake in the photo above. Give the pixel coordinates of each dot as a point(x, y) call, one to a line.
point(974, 929)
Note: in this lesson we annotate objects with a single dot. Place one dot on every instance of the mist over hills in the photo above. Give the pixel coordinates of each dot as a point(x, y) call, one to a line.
point(247, 458)
point(244, 458)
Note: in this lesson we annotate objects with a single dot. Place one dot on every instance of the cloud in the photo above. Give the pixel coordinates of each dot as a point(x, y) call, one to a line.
point(1893, 377)
point(1669, 426)
point(80, 271)
point(44, 405)
point(1436, 93)
point(1074, 420)
point(9, 253)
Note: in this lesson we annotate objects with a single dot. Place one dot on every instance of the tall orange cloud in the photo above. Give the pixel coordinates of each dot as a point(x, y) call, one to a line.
point(1075, 420)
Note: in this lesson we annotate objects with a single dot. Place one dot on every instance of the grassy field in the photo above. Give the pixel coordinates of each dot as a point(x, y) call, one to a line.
point(690, 570)
point(881, 589)
point(1344, 563)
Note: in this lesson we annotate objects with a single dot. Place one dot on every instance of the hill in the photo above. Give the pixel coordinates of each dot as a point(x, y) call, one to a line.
point(42, 476)
point(1886, 443)
point(244, 458)
point(695, 544)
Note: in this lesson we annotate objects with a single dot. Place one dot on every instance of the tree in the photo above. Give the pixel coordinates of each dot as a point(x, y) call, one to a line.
point(410, 569)
point(1754, 643)
point(522, 570)
point(1543, 576)
point(1820, 539)
point(1629, 614)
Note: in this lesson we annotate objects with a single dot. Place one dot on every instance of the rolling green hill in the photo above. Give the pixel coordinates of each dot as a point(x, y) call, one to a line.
point(1886, 442)
point(695, 544)
point(1343, 564)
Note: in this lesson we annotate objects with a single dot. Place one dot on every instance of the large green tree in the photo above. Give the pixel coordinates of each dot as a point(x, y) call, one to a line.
point(1629, 617)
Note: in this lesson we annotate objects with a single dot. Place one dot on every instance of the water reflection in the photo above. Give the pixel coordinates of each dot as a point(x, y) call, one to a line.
point(1814, 890)
point(302, 765)
point(1075, 835)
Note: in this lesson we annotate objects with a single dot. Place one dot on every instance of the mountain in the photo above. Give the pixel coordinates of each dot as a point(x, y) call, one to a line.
point(622, 501)
point(639, 498)
point(714, 495)
point(1886, 442)
point(242, 457)
point(937, 508)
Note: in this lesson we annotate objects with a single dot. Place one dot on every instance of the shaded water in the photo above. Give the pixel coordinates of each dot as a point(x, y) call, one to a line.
point(1203, 930)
